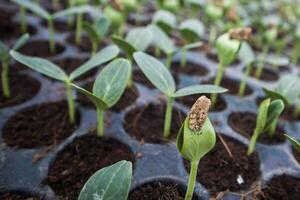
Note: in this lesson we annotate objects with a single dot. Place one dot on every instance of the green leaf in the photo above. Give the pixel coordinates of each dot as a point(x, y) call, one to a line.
point(140, 38)
point(41, 65)
point(194, 145)
point(191, 30)
point(102, 25)
point(72, 11)
point(227, 49)
point(275, 95)
point(115, 17)
point(277, 61)
point(96, 100)
point(198, 89)
point(275, 109)
point(294, 142)
point(112, 182)
point(91, 31)
point(192, 45)
point(165, 20)
point(246, 54)
point(112, 80)
point(161, 40)
point(20, 42)
point(156, 72)
point(262, 116)
point(124, 45)
point(213, 12)
point(34, 7)
point(101, 57)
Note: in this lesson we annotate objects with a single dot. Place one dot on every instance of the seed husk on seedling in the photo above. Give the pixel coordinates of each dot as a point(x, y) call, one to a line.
point(195, 139)
point(108, 88)
point(51, 70)
point(5, 61)
point(112, 182)
point(162, 79)
point(266, 122)
point(41, 12)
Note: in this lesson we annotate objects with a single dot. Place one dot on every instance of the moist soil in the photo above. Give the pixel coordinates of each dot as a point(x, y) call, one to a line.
point(139, 77)
point(146, 123)
point(75, 164)
point(244, 123)
point(266, 75)
point(40, 48)
point(296, 154)
point(85, 45)
point(16, 196)
point(59, 26)
point(191, 69)
point(283, 187)
point(41, 125)
point(22, 88)
point(219, 172)
point(12, 30)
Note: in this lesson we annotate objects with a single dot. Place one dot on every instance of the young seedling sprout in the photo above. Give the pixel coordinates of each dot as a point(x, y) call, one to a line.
point(294, 142)
point(213, 13)
point(108, 88)
point(53, 71)
point(165, 20)
point(266, 122)
point(112, 182)
point(295, 54)
point(5, 61)
point(41, 12)
point(79, 20)
point(114, 12)
point(162, 79)
point(195, 139)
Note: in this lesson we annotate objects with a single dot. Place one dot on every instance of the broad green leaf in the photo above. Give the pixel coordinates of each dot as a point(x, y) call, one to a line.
point(198, 89)
point(288, 86)
point(115, 17)
point(112, 80)
point(227, 49)
point(275, 95)
point(20, 42)
point(72, 11)
point(156, 72)
point(112, 182)
point(274, 111)
point(246, 54)
point(192, 45)
point(101, 57)
point(41, 65)
point(277, 61)
point(34, 7)
point(165, 20)
point(3, 52)
point(124, 45)
point(294, 142)
point(96, 100)
point(194, 145)
point(102, 26)
point(161, 40)
point(140, 38)
point(213, 12)
point(91, 31)
point(262, 116)
point(192, 30)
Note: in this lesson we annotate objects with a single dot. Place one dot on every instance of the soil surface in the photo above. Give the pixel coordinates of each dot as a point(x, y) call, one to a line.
point(244, 123)
point(191, 69)
point(283, 187)
point(75, 164)
point(266, 75)
point(59, 26)
point(296, 155)
point(16, 196)
point(139, 77)
point(218, 171)
point(146, 123)
point(22, 89)
point(41, 125)
point(40, 48)
point(85, 44)
point(11, 30)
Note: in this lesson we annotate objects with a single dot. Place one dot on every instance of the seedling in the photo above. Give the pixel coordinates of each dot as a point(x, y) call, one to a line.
point(115, 14)
point(213, 14)
point(5, 61)
point(108, 88)
point(266, 122)
point(53, 71)
point(287, 89)
point(41, 12)
point(112, 182)
point(162, 79)
point(164, 19)
point(295, 54)
point(294, 142)
point(97, 31)
point(195, 139)
point(79, 16)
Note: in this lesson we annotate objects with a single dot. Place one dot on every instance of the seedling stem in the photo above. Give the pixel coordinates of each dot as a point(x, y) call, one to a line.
point(260, 65)
point(23, 19)
point(251, 147)
point(183, 58)
point(243, 83)
point(168, 117)
point(78, 28)
point(217, 82)
point(70, 102)
point(5, 80)
point(51, 35)
point(169, 60)
point(100, 128)
point(192, 180)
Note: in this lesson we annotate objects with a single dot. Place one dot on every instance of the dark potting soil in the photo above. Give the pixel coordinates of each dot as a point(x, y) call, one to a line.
point(85, 45)
point(283, 187)
point(191, 69)
point(12, 30)
point(296, 154)
point(189, 101)
point(59, 26)
point(22, 89)
point(16, 196)
point(40, 125)
point(146, 123)
point(266, 75)
point(40, 48)
point(139, 77)
point(75, 164)
point(244, 123)
point(218, 171)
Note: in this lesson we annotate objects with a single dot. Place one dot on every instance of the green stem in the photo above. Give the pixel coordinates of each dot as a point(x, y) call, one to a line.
point(169, 60)
point(70, 17)
point(78, 28)
point(260, 65)
point(244, 81)
point(5, 80)
point(157, 52)
point(94, 47)
point(295, 54)
point(183, 58)
point(252, 143)
point(23, 19)
point(297, 111)
point(217, 82)
point(100, 126)
point(70, 102)
point(51, 35)
point(192, 180)
point(212, 34)
point(138, 14)
point(168, 117)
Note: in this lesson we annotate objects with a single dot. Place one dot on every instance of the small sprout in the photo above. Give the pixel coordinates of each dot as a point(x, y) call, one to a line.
point(116, 18)
point(213, 13)
point(112, 182)
point(5, 61)
point(295, 143)
point(195, 139)
point(295, 53)
point(51, 70)
point(161, 78)
point(79, 20)
point(108, 88)
point(266, 122)
point(166, 20)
